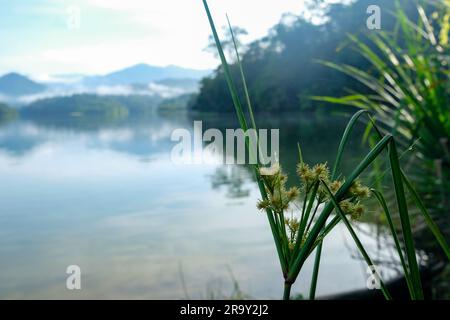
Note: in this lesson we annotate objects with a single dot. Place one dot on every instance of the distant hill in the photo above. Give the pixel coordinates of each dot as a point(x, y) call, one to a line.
point(6, 113)
point(143, 73)
point(91, 106)
point(14, 84)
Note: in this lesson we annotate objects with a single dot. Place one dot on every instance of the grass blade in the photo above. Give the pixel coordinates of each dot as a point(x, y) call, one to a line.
point(247, 95)
point(355, 238)
point(427, 217)
point(231, 86)
point(349, 128)
point(387, 213)
point(243, 123)
point(405, 222)
point(244, 82)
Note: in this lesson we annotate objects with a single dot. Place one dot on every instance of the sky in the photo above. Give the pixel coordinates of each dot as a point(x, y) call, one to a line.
point(40, 38)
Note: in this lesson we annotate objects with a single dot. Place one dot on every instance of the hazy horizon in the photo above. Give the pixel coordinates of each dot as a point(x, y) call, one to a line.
point(71, 77)
point(94, 37)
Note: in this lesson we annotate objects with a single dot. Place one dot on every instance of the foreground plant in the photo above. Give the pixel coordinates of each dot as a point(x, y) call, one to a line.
point(321, 193)
point(409, 92)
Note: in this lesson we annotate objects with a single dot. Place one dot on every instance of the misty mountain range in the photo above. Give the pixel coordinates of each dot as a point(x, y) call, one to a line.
point(143, 73)
point(140, 79)
point(14, 84)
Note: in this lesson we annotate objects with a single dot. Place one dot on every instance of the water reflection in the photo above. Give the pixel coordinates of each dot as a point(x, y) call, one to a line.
point(106, 196)
point(232, 178)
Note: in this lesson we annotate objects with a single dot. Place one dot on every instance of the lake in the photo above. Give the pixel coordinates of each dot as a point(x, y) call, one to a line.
point(108, 198)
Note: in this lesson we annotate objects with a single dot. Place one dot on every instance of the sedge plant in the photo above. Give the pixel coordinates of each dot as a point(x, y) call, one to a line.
point(301, 217)
point(408, 91)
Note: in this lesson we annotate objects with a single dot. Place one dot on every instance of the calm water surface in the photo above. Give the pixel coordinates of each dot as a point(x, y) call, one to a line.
point(107, 197)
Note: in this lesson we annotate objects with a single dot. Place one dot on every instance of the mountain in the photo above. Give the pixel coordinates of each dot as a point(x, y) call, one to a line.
point(141, 79)
point(143, 73)
point(14, 84)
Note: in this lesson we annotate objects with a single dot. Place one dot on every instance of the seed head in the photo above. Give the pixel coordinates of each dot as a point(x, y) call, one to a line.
point(263, 204)
point(359, 190)
point(321, 171)
point(293, 193)
point(346, 206)
point(292, 223)
point(357, 212)
point(335, 186)
point(303, 170)
point(274, 169)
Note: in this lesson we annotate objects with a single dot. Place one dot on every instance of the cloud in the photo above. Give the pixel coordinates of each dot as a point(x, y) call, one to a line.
point(64, 90)
point(117, 33)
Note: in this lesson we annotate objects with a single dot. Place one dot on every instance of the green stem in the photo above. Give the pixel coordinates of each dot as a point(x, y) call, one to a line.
point(287, 291)
point(312, 289)
point(405, 221)
point(312, 218)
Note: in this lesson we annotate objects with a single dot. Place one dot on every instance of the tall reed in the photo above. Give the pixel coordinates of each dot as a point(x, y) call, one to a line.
point(321, 194)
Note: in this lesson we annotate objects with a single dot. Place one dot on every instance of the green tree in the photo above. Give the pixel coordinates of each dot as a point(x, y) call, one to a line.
point(282, 69)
